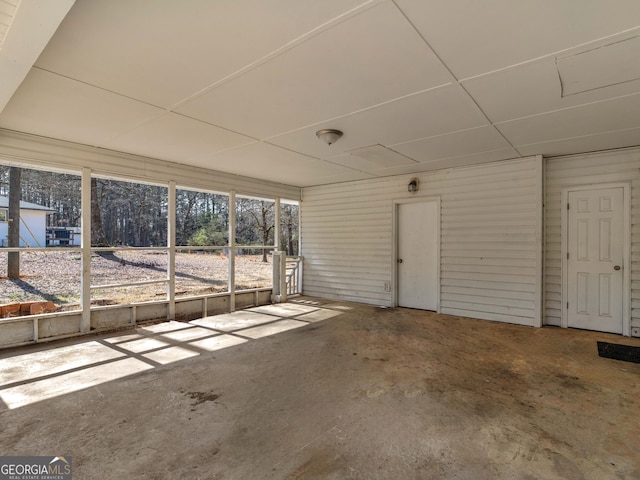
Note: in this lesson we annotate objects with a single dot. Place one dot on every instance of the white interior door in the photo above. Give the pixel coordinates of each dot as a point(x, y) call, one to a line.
point(595, 247)
point(418, 256)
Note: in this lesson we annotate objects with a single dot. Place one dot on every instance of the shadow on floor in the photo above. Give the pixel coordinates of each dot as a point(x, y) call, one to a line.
point(36, 373)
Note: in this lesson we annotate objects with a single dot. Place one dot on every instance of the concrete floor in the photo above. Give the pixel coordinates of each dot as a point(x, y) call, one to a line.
point(316, 389)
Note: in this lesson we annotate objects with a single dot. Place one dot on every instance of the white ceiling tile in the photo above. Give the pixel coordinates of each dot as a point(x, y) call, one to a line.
point(368, 59)
point(475, 159)
point(482, 139)
point(475, 37)
point(372, 159)
point(177, 138)
point(601, 117)
point(485, 157)
point(531, 89)
point(590, 143)
point(611, 64)
point(377, 157)
point(162, 51)
point(53, 106)
point(344, 177)
point(426, 114)
point(273, 163)
point(25, 30)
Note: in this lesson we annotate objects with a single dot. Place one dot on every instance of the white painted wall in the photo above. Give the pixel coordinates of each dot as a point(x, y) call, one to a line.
point(491, 233)
point(595, 168)
point(35, 235)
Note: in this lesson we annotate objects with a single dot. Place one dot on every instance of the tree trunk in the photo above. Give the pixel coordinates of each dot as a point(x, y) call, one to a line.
point(98, 238)
point(265, 231)
point(290, 239)
point(265, 239)
point(13, 262)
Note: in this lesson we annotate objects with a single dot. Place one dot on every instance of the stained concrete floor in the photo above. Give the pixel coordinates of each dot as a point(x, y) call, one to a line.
point(315, 389)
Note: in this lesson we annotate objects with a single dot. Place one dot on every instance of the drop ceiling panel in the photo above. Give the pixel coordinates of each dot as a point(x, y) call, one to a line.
point(537, 87)
point(162, 51)
point(607, 116)
point(274, 164)
point(352, 175)
point(474, 159)
point(482, 139)
point(612, 64)
point(434, 112)
point(534, 88)
point(591, 143)
point(174, 137)
point(24, 33)
point(352, 66)
point(53, 106)
point(375, 157)
point(475, 37)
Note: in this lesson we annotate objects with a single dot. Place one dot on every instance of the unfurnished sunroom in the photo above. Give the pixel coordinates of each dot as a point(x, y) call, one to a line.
point(488, 170)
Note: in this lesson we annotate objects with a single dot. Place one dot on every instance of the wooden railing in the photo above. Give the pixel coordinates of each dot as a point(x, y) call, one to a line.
point(287, 276)
point(294, 275)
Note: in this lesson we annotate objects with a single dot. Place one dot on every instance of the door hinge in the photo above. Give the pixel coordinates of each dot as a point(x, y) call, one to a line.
point(567, 255)
point(567, 206)
point(567, 305)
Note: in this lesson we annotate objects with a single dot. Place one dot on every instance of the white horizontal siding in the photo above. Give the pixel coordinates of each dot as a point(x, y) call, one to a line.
point(30, 150)
point(490, 239)
point(595, 168)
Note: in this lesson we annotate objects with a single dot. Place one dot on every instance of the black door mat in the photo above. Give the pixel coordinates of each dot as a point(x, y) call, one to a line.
point(625, 353)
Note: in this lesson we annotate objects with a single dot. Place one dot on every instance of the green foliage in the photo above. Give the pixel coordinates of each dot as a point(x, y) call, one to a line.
point(208, 235)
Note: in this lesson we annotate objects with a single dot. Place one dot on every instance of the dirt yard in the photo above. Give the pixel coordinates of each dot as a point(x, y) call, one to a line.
point(55, 276)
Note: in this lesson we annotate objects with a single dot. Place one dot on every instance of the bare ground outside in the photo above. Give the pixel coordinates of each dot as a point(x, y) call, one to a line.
point(55, 276)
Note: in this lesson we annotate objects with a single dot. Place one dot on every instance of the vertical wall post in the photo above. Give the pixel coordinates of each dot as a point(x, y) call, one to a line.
point(300, 266)
point(277, 226)
point(85, 247)
point(278, 255)
point(275, 292)
point(232, 251)
point(283, 276)
point(171, 243)
point(300, 227)
point(538, 311)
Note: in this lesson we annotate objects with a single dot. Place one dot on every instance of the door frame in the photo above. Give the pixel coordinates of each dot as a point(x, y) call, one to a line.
point(626, 250)
point(394, 245)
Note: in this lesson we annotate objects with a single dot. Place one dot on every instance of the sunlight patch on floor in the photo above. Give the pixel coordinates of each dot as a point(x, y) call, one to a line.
point(271, 329)
point(35, 365)
point(74, 381)
point(229, 322)
point(170, 355)
point(29, 376)
point(218, 343)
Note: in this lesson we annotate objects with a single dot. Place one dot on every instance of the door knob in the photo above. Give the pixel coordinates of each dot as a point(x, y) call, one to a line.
point(617, 267)
point(399, 260)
